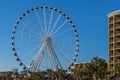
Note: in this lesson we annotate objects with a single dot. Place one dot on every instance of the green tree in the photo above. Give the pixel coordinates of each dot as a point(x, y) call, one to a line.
point(51, 73)
point(61, 74)
point(37, 75)
point(99, 67)
point(89, 69)
point(117, 70)
point(79, 72)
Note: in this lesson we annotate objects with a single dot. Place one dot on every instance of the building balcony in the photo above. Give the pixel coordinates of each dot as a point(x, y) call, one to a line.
point(117, 27)
point(117, 54)
point(110, 49)
point(117, 39)
point(111, 62)
point(110, 26)
point(117, 34)
point(117, 19)
point(117, 61)
point(110, 42)
point(117, 47)
point(110, 34)
point(110, 20)
point(111, 69)
point(110, 55)
point(110, 46)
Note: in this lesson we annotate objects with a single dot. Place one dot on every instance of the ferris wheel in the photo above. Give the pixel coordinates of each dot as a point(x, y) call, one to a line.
point(43, 38)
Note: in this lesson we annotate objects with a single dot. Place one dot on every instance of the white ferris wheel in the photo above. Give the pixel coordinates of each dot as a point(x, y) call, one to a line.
point(43, 38)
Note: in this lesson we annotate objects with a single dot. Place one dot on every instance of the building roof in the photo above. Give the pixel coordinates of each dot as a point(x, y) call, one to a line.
point(113, 13)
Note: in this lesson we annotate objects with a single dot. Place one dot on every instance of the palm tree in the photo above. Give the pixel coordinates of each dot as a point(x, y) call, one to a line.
point(79, 72)
point(51, 74)
point(61, 74)
point(99, 67)
point(37, 75)
point(69, 77)
point(89, 70)
point(117, 70)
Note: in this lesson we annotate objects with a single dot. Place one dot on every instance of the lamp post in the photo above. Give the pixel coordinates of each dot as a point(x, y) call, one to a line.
point(15, 71)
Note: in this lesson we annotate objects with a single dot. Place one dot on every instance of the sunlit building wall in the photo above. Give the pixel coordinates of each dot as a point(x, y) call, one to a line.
point(113, 40)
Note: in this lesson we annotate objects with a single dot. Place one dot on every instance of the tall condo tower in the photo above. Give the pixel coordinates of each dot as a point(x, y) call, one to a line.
point(114, 40)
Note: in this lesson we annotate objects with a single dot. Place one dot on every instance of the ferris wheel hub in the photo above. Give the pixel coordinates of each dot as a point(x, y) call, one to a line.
point(47, 39)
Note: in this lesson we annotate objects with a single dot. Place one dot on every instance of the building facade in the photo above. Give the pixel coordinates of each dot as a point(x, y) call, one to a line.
point(113, 40)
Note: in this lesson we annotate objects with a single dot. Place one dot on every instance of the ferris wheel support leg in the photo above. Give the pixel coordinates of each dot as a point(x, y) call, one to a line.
point(51, 58)
point(53, 54)
point(37, 60)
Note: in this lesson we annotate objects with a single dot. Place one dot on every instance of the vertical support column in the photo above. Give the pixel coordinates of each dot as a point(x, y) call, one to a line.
point(113, 42)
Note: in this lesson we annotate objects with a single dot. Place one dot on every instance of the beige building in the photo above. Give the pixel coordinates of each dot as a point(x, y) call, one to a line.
point(79, 65)
point(114, 39)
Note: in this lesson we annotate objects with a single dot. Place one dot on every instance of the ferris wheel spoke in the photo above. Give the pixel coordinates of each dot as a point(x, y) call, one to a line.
point(70, 44)
point(70, 52)
point(24, 38)
point(67, 51)
point(52, 62)
point(31, 50)
point(45, 21)
point(24, 46)
point(38, 63)
point(57, 61)
point(40, 23)
point(50, 21)
point(22, 31)
point(29, 33)
point(63, 38)
point(60, 53)
point(63, 32)
point(34, 23)
point(55, 57)
point(38, 57)
point(59, 28)
point(29, 39)
point(29, 26)
point(52, 58)
point(58, 18)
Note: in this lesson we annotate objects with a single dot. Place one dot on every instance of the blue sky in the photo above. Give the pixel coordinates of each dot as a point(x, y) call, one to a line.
point(89, 16)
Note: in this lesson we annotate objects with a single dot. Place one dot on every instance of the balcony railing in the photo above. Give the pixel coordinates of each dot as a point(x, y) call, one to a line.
point(110, 27)
point(111, 61)
point(111, 54)
point(117, 39)
point(117, 19)
point(117, 53)
point(110, 41)
point(117, 33)
point(117, 46)
point(110, 34)
point(110, 20)
point(117, 26)
point(117, 60)
point(110, 49)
